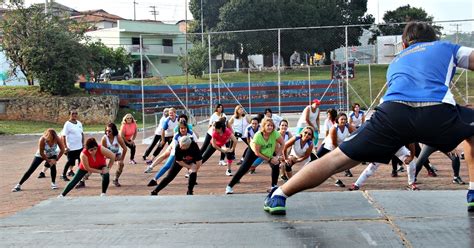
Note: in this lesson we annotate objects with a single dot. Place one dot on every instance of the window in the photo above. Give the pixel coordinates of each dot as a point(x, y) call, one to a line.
point(135, 41)
point(167, 42)
point(165, 61)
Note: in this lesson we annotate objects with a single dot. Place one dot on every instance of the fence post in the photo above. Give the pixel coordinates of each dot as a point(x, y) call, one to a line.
point(347, 72)
point(309, 85)
point(250, 102)
point(370, 84)
point(279, 79)
point(210, 72)
point(143, 91)
point(467, 88)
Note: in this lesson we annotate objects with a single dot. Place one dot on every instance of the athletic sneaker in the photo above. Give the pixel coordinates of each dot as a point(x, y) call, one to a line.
point(394, 174)
point(152, 183)
point(240, 162)
point(102, 194)
point(284, 178)
point(228, 190)
point(149, 169)
point(153, 193)
point(462, 155)
point(60, 196)
point(354, 187)
point(413, 187)
point(432, 174)
point(339, 183)
point(348, 173)
point(144, 158)
point(116, 183)
point(64, 178)
point(275, 204)
point(81, 184)
point(132, 161)
point(458, 180)
point(470, 200)
point(41, 175)
point(54, 186)
point(222, 163)
point(401, 168)
point(228, 173)
point(71, 173)
point(189, 193)
point(16, 188)
point(252, 169)
point(186, 175)
point(149, 162)
point(433, 167)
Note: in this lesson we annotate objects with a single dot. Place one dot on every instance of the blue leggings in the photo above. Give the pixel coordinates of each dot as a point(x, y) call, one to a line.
point(165, 167)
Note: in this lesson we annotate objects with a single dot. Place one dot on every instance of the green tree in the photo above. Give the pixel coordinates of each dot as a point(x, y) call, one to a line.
point(197, 61)
point(402, 14)
point(44, 47)
point(249, 14)
point(101, 57)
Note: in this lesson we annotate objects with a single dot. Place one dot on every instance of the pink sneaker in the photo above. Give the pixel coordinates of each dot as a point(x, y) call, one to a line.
point(132, 162)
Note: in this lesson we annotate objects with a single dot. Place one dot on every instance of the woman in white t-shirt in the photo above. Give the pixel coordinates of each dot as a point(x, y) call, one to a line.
point(239, 122)
point(301, 146)
point(73, 139)
point(310, 118)
point(114, 142)
point(357, 117)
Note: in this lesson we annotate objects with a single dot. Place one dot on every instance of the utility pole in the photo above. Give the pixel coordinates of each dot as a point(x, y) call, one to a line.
point(134, 10)
point(186, 50)
point(457, 31)
point(154, 12)
point(46, 7)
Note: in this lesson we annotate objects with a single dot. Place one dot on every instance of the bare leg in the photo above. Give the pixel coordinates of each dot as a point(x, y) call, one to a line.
point(318, 171)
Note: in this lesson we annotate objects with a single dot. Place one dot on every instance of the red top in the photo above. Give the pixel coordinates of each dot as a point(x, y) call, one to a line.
point(129, 130)
point(99, 161)
point(222, 139)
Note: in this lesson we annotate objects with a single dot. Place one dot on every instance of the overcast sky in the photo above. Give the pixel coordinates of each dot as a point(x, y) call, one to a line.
point(174, 10)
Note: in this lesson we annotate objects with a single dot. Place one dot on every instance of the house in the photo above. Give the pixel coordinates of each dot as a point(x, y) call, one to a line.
point(162, 44)
point(97, 19)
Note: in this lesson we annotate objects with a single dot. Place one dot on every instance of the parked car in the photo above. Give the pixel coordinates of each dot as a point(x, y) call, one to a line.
point(353, 60)
point(115, 74)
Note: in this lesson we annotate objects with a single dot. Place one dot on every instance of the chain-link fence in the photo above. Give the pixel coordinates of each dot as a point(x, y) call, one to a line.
point(285, 69)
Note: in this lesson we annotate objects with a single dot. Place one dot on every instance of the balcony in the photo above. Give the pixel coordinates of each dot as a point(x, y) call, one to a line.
point(152, 50)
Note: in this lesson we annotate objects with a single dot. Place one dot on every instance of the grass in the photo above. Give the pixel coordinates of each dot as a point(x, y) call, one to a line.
point(33, 91)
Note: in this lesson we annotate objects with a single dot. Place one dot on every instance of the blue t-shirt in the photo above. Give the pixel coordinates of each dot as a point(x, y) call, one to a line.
point(422, 73)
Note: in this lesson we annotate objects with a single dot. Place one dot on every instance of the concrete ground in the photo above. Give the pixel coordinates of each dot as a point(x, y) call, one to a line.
point(314, 219)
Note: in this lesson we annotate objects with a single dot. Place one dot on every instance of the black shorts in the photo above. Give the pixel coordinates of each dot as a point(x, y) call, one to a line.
point(395, 124)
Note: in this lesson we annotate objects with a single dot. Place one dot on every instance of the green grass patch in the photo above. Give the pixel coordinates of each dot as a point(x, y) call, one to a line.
point(34, 91)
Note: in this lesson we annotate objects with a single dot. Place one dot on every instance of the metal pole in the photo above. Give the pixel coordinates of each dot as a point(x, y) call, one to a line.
point(202, 27)
point(186, 48)
point(134, 10)
point(309, 85)
point(250, 102)
point(347, 73)
point(46, 7)
point(210, 73)
point(218, 86)
point(370, 84)
point(279, 79)
point(467, 88)
point(143, 91)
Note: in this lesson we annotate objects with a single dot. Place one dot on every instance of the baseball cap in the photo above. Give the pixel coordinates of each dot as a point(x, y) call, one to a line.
point(318, 102)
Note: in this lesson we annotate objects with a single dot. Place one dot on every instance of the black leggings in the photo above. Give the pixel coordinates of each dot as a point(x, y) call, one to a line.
point(249, 158)
point(207, 143)
point(133, 149)
point(79, 175)
point(72, 156)
point(148, 150)
point(175, 169)
point(160, 147)
point(34, 165)
point(210, 150)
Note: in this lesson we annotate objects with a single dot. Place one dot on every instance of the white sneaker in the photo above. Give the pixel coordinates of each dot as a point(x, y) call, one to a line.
point(186, 175)
point(228, 173)
point(222, 163)
point(60, 196)
point(16, 188)
point(54, 186)
point(149, 169)
point(228, 190)
point(102, 194)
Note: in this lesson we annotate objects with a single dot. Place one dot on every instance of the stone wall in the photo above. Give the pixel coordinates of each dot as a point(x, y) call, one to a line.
point(92, 109)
